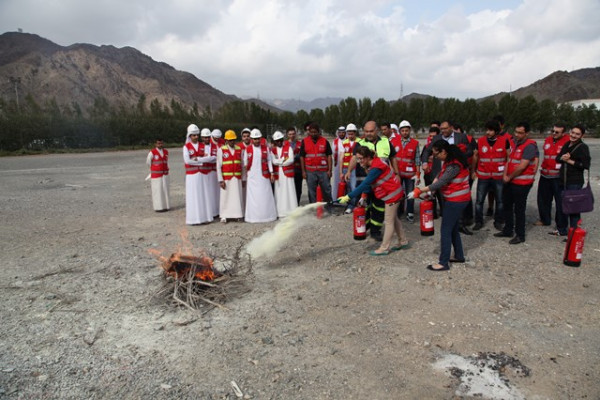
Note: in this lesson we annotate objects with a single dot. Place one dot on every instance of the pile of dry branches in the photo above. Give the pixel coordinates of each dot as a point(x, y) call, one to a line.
point(186, 288)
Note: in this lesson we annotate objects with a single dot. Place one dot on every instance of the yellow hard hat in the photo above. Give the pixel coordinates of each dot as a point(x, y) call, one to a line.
point(230, 135)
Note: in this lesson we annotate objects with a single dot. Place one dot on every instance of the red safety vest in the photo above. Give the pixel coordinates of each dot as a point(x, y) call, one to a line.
point(263, 159)
point(232, 163)
point(207, 168)
point(387, 186)
point(406, 156)
point(315, 158)
point(492, 160)
point(348, 150)
point(550, 168)
point(192, 169)
point(296, 148)
point(528, 176)
point(159, 165)
point(458, 189)
point(288, 170)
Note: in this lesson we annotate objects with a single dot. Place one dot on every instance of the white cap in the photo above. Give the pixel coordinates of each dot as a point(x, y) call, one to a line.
point(216, 133)
point(192, 130)
point(342, 128)
point(246, 130)
point(277, 135)
point(255, 134)
point(205, 132)
point(405, 124)
point(351, 127)
point(394, 126)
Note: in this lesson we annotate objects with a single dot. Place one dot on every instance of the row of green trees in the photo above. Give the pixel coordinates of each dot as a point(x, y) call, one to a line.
point(29, 125)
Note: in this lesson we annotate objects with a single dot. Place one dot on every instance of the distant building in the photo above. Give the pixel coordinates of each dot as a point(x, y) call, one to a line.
point(585, 102)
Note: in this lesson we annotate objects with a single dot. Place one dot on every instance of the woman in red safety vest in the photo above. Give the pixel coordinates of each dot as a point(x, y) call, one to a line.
point(386, 186)
point(453, 183)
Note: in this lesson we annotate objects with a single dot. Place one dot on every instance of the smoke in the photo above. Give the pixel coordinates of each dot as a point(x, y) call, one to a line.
point(270, 242)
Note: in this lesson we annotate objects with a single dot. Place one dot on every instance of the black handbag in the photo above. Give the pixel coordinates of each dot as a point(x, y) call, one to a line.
point(576, 201)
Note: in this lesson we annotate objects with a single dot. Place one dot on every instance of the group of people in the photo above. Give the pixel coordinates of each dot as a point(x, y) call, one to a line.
point(380, 166)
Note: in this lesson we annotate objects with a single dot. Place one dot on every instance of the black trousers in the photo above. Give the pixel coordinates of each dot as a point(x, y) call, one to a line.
point(514, 198)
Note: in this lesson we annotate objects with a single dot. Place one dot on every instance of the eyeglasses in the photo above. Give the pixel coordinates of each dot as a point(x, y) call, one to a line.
point(556, 131)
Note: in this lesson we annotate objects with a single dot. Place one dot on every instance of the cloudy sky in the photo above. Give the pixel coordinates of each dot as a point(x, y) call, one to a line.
point(304, 49)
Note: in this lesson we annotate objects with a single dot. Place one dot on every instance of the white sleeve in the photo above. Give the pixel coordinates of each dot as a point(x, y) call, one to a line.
point(149, 158)
point(219, 165)
point(290, 158)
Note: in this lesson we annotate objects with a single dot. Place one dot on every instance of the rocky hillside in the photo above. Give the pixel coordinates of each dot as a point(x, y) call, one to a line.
point(562, 86)
point(81, 73)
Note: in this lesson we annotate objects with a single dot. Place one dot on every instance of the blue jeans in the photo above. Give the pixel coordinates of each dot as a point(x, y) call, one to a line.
point(408, 185)
point(484, 186)
point(548, 189)
point(450, 237)
point(562, 218)
point(318, 178)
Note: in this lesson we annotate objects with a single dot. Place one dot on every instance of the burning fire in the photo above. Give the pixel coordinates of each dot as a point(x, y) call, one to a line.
point(181, 264)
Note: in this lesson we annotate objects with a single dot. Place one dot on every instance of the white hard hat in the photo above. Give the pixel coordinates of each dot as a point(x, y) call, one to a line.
point(405, 124)
point(277, 135)
point(205, 132)
point(246, 130)
point(255, 134)
point(394, 126)
point(216, 133)
point(351, 127)
point(192, 130)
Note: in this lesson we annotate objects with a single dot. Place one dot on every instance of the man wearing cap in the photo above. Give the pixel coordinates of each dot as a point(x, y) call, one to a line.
point(395, 131)
point(246, 141)
point(315, 158)
point(349, 143)
point(295, 144)
point(158, 160)
point(409, 163)
point(217, 139)
point(338, 154)
point(260, 203)
point(198, 203)
point(230, 173)
point(209, 169)
point(283, 174)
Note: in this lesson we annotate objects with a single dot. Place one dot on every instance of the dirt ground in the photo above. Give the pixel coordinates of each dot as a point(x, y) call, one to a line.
point(323, 319)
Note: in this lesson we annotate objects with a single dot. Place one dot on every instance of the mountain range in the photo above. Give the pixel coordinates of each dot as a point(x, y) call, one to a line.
point(81, 73)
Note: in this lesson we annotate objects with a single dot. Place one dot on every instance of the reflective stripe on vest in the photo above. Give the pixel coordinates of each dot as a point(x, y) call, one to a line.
point(192, 169)
point(489, 164)
point(551, 150)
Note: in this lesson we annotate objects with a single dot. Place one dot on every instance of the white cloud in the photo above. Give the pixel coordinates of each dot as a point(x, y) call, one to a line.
point(308, 49)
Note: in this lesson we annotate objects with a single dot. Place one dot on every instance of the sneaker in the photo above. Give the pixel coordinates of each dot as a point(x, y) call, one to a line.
point(348, 211)
point(224, 220)
point(410, 217)
point(477, 226)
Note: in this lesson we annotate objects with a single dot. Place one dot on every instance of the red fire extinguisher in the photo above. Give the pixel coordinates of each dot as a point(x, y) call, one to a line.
point(319, 200)
point(359, 218)
point(341, 189)
point(574, 247)
point(426, 217)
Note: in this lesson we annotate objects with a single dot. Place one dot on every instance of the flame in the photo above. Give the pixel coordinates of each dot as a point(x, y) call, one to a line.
point(180, 263)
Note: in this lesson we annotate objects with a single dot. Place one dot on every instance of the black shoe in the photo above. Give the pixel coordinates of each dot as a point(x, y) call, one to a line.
point(489, 212)
point(502, 234)
point(463, 229)
point(457, 260)
point(430, 267)
point(377, 236)
point(477, 226)
point(516, 240)
point(498, 225)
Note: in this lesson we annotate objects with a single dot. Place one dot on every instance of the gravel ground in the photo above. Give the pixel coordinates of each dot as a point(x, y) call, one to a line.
point(323, 319)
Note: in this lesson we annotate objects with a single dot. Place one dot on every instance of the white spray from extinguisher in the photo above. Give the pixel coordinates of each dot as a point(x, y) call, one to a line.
point(270, 242)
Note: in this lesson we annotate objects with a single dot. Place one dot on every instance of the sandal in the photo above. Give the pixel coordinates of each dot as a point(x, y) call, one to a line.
point(401, 247)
